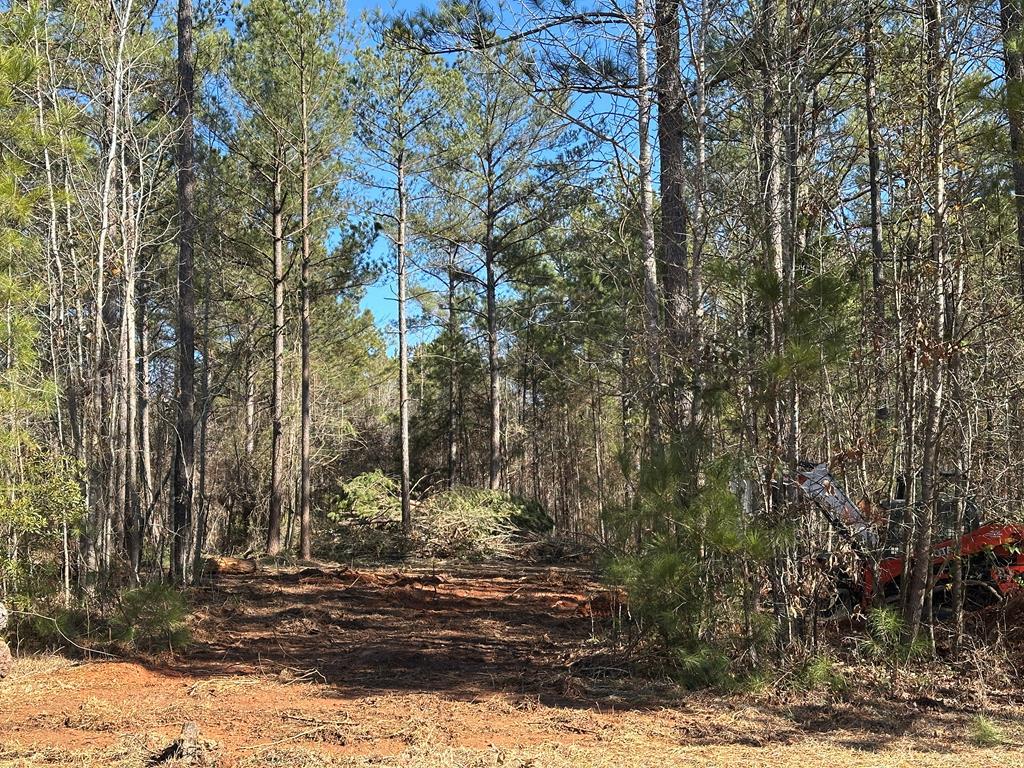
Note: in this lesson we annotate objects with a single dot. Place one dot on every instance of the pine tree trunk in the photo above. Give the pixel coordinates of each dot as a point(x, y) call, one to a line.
point(453, 369)
point(305, 510)
point(700, 224)
point(1011, 17)
point(277, 391)
point(774, 262)
point(934, 208)
point(493, 359)
point(651, 288)
point(675, 259)
point(403, 349)
point(184, 456)
point(203, 516)
point(145, 439)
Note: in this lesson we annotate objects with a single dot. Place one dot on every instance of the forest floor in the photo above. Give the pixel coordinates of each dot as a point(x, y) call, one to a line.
point(471, 666)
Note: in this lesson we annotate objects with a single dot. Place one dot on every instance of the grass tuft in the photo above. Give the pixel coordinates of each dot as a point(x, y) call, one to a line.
point(985, 732)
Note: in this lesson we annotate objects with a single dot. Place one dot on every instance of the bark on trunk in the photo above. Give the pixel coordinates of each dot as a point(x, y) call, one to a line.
point(874, 169)
point(772, 152)
point(934, 208)
point(403, 350)
point(277, 391)
point(652, 290)
point(493, 360)
point(305, 430)
point(671, 128)
point(185, 453)
point(453, 370)
point(1011, 17)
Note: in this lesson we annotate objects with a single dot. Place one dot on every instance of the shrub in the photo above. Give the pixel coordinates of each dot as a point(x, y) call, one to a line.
point(44, 504)
point(702, 665)
point(886, 641)
point(42, 627)
point(679, 547)
point(819, 673)
point(151, 617)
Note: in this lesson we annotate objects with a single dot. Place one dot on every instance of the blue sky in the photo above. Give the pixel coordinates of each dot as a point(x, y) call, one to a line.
point(381, 297)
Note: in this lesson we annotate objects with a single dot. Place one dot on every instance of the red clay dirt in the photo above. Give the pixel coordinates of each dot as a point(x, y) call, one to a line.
point(472, 666)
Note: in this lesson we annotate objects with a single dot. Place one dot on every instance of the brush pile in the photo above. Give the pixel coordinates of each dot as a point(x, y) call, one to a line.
point(460, 523)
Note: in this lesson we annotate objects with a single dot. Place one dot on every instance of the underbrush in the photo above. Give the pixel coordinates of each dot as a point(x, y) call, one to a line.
point(150, 618)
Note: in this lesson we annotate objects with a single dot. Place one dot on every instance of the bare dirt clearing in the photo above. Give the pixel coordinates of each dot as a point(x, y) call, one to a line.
point(481, 666)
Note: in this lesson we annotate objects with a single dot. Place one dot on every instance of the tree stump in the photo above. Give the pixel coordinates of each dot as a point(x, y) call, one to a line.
point(187, 749)
point(6, 660)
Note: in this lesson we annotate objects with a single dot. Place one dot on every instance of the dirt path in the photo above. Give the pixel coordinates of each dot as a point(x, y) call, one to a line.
point(472, 667)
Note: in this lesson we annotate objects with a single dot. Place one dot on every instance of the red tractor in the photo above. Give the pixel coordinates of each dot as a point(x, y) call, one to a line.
point(991, 555)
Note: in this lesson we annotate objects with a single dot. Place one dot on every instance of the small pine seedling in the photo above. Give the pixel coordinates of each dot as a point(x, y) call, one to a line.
point(985, 733)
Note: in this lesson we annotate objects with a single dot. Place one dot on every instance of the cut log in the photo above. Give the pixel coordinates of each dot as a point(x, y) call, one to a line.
point(228, 566)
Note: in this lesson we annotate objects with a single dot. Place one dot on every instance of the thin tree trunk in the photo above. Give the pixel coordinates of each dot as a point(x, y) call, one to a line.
point(493, 360)
point(250, 407)
point(453, 369)
point(403, 346)
point(133, 501)
point(1011, 17)
point(202, 523)
point(145, 439)
point(305, 510)
point(774, 261)
point(651, 289)
point(920, 574)
point(277, 391)
point(700, 218)
point(874, 169)
point(184, 456)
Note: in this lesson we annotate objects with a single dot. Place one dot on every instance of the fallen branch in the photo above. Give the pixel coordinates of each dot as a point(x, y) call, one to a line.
point(61, 633)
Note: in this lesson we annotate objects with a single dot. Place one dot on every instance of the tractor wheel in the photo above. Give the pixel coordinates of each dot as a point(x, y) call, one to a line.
point(6, 660)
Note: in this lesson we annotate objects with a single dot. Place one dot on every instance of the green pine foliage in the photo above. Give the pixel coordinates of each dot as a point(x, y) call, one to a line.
point(685, 577)
point(820, 672)
point(369, 496)
point(153, 617)
point(886, 642)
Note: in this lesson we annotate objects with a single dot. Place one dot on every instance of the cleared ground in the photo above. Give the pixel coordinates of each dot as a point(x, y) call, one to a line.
point(481, 666)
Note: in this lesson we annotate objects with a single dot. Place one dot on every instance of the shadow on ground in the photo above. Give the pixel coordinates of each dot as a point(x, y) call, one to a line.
point(462, 633)
point(530, 634)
